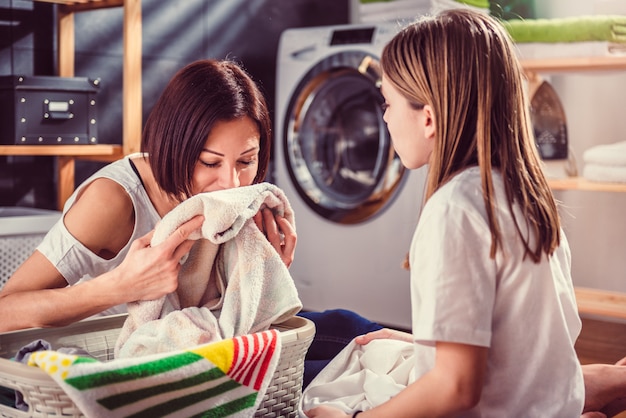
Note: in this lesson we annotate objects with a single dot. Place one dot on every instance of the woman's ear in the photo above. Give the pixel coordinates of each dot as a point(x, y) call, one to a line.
point(429, 121)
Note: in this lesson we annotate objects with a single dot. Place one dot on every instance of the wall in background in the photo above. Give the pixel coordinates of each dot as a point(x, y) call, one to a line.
point(174, 34)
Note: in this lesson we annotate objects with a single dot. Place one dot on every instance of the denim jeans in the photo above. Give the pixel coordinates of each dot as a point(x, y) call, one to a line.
point(334, 329)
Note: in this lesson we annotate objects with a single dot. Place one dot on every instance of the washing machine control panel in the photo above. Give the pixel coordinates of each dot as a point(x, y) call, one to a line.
point(310, 44)
point(352, 36)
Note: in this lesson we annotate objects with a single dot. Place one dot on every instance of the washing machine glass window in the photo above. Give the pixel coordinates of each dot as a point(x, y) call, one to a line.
point(337, 146)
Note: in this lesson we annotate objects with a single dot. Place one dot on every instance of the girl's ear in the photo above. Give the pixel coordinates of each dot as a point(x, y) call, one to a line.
point(429, 121)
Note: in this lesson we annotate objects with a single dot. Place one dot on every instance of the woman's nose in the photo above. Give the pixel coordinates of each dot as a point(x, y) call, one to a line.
point(229, 178)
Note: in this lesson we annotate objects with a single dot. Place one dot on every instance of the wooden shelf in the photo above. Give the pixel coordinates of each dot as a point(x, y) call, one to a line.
point(100, 152)
point(577, 64)
point(579, 183)
point(66, 156)
point(590, 301)
point(87, 4)
point(601, 302)
point(132, 100)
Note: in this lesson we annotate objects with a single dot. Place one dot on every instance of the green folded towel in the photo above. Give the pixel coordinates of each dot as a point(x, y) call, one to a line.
point(610, 28)
point(477, 3)
point(484, 4)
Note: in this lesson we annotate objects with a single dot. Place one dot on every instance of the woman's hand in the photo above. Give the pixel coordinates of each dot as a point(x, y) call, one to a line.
point(326, 411)
point(149, 273)
point(385, 333)
point(605, 386)
point(279, 233)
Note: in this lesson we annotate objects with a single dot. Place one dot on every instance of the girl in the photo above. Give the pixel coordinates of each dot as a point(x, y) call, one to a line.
point(494, 313)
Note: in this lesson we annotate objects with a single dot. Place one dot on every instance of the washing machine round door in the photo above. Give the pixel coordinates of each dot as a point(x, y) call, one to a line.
point(337, 147)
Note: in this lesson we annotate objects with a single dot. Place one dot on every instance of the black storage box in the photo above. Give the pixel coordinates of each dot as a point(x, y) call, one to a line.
point(45, 110)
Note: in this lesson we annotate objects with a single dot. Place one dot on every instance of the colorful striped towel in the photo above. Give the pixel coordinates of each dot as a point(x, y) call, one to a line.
point(222, 379)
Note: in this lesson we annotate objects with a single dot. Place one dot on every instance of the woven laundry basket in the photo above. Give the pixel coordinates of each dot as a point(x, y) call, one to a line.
point(98, 336)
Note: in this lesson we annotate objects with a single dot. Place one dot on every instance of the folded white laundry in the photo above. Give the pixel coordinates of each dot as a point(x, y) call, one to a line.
point(613, 155)
point(604, 173)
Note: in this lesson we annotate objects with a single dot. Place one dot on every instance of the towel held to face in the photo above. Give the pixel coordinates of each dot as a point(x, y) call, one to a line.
point(232, 283)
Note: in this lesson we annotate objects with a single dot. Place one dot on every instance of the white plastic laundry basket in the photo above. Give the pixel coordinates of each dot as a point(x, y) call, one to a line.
point(45, 397)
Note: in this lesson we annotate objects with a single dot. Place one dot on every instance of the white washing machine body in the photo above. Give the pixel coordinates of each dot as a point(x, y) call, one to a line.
point(355, 206)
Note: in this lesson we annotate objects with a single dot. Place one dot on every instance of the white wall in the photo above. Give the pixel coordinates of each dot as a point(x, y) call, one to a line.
point(595, 222)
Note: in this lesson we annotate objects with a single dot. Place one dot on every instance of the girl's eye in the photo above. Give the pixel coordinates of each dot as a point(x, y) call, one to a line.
point(210, 165)
point(384, 106)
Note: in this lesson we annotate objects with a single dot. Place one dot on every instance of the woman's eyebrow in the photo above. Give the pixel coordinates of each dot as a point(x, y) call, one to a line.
point(249, 150)
point(212, 152)
point(222, 155)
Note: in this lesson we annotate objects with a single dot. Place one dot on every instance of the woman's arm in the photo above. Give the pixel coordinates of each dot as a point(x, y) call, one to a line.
point(605, 388)
point(453, 385)
point(102, 218)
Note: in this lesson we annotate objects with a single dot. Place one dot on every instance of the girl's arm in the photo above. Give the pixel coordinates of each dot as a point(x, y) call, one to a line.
point(385, 333)
point(453, 385)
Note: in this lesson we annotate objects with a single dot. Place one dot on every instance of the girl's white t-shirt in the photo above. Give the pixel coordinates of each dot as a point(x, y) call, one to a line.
point(524, 312)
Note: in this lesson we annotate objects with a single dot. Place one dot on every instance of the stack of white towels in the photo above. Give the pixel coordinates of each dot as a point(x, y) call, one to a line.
point(605, 163)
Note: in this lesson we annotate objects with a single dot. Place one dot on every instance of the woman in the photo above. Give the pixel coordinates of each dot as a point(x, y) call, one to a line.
point(493, 307)
point(210, 130)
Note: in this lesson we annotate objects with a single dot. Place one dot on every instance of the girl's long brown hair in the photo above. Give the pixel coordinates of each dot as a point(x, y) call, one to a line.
point(463, 65)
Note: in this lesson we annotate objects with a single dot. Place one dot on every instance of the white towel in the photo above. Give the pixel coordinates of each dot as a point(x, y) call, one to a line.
point(362, 377)
point(604, 173)
point(613, 155)
point(243, 287)
point(605, 163)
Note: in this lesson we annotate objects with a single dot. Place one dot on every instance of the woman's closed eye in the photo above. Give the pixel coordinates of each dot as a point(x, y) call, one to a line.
point(251, 161)
point(244, 163)
point(211, 164)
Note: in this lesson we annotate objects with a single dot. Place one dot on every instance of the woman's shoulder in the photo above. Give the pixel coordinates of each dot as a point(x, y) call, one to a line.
point(102, 217)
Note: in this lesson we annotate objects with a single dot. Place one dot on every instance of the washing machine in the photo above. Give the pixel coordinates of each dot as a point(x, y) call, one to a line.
point(355, 205)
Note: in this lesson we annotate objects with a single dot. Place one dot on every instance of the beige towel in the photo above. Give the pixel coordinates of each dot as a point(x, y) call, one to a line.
point(239, 288)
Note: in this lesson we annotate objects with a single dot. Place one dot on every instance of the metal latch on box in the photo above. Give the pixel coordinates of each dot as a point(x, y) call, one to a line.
point(57, 110)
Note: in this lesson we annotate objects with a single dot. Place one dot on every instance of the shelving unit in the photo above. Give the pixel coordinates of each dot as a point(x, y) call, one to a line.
point(132, 112)
point(590, 301)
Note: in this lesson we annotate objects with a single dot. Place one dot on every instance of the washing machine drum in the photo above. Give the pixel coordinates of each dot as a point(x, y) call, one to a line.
point(337, 147)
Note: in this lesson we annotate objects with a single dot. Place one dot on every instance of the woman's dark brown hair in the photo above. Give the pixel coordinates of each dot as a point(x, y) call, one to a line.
point(198, 96)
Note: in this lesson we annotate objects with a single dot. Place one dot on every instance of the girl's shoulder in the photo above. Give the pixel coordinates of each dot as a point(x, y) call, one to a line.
point(462, 195)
